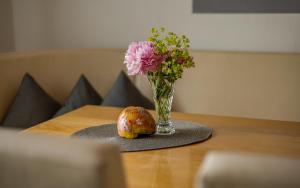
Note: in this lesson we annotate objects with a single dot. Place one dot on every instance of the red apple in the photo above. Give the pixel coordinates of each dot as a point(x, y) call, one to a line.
point(134, 121)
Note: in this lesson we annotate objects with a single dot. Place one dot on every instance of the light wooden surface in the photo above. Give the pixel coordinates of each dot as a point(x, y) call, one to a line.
point(177, 167)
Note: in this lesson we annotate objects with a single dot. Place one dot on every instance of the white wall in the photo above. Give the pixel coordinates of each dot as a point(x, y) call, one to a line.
point(43, 24)
point(6, 26)
point(30, 24)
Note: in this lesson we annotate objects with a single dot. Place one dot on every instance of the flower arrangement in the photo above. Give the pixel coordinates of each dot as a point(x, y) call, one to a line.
point(162, 55)
point(162, 58)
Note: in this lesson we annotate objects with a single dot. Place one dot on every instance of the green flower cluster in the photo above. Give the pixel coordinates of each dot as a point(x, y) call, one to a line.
point(175, 50)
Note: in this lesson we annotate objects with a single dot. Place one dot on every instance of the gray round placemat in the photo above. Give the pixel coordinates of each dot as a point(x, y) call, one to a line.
point(186, 133)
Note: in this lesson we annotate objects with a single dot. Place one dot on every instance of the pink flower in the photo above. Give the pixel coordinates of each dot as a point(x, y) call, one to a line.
point(141, 58)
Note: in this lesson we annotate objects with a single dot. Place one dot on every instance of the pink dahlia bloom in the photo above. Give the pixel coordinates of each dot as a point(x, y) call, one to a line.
point(141, 58)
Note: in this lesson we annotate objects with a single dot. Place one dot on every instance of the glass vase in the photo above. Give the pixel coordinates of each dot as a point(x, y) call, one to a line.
point(163, 92)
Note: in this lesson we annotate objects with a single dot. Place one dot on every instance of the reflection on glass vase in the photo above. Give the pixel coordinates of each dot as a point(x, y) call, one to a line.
point(163, 91)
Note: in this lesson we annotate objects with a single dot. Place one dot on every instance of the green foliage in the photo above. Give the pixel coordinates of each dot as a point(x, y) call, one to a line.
point(175, 50)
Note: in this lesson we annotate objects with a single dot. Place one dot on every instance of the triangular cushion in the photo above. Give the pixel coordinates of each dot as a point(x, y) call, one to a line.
point(31, 106)
point(124, 93)
point(82, 94)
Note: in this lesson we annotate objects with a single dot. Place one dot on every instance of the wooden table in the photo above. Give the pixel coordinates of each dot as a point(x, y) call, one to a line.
point(177, 167)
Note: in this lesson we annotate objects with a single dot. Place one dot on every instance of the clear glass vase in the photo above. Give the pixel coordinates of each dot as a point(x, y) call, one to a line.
point(163, 92)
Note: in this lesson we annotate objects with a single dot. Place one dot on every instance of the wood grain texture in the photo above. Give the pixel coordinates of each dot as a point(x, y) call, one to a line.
point(177, 167)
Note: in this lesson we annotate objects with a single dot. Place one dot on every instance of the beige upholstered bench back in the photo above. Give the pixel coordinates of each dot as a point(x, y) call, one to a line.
point(255, 85)
point(58, 71)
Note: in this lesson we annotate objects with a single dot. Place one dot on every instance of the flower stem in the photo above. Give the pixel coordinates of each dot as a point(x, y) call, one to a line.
point(162, 95)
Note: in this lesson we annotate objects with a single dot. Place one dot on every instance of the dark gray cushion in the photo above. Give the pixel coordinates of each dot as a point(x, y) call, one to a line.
point(82, 94)
point(31, 106)
point(124, 93)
